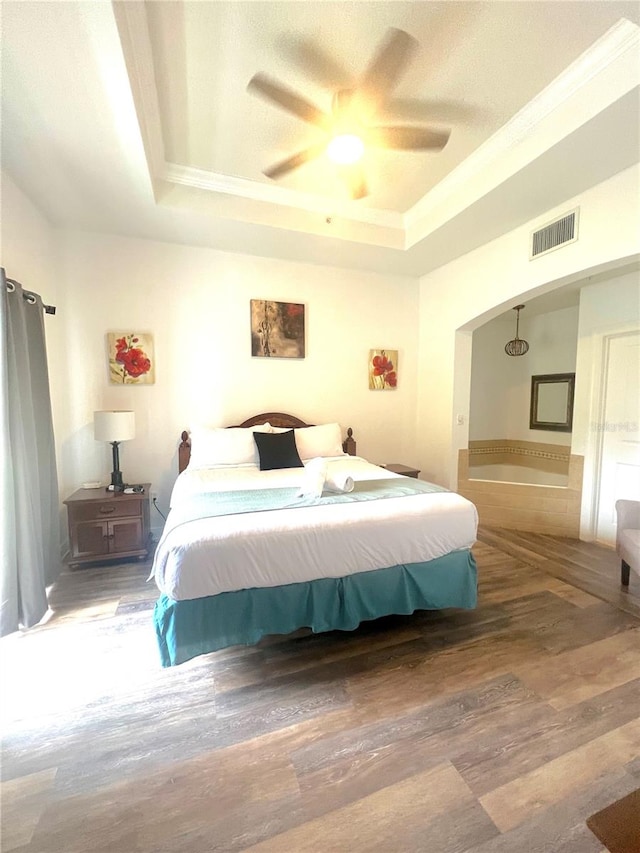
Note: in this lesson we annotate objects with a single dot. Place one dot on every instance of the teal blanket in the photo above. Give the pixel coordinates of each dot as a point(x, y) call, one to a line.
point(214, 504)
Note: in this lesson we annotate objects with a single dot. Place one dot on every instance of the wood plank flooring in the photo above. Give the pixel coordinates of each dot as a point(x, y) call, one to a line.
point(497, 730)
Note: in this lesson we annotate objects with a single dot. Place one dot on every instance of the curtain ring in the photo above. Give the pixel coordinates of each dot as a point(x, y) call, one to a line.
point(10, 286)
point(30, 298)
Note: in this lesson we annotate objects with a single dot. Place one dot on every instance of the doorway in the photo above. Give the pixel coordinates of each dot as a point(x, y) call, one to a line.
point(618, 430)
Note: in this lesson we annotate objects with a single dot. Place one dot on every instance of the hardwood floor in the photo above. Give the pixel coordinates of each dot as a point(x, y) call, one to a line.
point(497, 730)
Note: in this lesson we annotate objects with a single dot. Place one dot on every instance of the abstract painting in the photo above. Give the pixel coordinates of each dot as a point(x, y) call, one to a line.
point(277, 329)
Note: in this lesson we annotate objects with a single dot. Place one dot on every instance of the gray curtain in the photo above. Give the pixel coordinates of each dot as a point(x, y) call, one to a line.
point(29, 514)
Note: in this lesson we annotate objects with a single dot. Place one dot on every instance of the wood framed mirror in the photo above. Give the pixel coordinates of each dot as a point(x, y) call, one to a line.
point(552, 401)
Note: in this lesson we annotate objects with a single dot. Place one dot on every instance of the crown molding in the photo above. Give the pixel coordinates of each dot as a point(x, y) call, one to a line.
point(620, 41)
point(202, 179)
point(133, 29)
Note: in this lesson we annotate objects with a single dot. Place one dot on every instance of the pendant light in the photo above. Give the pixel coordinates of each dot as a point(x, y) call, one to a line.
point(517, 346)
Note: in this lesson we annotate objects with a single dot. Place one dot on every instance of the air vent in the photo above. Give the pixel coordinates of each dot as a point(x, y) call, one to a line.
point(555, 234)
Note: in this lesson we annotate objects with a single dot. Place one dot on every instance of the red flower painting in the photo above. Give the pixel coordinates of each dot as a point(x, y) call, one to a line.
point(130, 358)
point(383, 369)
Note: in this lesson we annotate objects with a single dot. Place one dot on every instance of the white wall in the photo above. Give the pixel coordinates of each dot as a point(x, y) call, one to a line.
point(30, 256)
point(196, 304)
point(501, 384)
point(462, 295)
point(493, 375)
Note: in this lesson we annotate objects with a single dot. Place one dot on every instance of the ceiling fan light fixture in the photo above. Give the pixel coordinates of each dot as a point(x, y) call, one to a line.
point(345, 149)
point(347, 130)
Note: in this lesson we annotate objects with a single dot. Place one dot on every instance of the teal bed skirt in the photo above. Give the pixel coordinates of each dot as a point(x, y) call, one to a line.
point(185, 629)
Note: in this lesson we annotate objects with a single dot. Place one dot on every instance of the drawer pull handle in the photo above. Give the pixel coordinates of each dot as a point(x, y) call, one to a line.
point(107, 509)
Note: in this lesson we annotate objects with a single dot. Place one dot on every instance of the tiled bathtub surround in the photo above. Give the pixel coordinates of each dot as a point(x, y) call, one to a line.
point(530, 454)
point(516, 474)
point(521, 506)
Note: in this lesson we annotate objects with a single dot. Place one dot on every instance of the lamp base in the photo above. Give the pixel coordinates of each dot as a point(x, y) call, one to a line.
point(117, 483)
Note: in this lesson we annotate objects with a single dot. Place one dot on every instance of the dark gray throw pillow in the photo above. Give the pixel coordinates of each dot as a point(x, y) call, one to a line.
point(277, 450)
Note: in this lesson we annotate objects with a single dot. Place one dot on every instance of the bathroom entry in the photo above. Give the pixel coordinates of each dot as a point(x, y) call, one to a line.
point(618, 431)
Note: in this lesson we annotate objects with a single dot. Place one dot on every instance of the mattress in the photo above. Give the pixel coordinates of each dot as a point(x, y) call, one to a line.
point(212, 555)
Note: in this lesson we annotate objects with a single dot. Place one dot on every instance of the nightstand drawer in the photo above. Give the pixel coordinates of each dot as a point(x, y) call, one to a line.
point(110, 508)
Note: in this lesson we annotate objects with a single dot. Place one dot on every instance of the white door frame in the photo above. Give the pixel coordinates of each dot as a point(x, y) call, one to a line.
point(600, 342)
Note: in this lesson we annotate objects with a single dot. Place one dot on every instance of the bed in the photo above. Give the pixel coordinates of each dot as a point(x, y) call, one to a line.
point(257, 543)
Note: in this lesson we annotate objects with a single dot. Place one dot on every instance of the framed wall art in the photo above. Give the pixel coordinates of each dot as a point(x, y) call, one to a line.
point(131, 360)
point(277, 329)
point(383, 369)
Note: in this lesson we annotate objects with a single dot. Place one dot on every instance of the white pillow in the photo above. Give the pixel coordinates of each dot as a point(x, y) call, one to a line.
point(324, 440)
point(212, 446)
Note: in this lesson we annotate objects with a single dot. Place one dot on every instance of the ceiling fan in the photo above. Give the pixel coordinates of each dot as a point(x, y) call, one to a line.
point(348, 128)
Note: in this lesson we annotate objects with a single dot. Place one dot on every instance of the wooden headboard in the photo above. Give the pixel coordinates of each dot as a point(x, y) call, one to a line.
point(276, 419)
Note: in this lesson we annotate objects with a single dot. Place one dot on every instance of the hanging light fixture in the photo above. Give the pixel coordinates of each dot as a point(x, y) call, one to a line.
point(517, 346)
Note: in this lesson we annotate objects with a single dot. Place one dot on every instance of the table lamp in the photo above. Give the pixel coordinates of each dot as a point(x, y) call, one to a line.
point(114, 427)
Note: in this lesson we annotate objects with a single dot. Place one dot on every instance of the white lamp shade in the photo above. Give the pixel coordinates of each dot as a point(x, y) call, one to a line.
point(114, 426)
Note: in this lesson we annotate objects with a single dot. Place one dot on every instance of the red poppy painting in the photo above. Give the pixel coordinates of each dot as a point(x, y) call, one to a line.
point(383, 369)
point(131, 359)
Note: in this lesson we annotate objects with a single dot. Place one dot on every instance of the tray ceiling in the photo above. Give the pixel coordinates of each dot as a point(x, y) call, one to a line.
point(144, 106)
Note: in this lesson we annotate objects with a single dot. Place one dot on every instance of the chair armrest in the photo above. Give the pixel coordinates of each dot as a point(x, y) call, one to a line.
point(628, 513)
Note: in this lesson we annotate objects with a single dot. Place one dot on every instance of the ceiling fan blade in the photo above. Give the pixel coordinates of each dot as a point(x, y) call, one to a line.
point(408, 138)
point(386, 68)
point(288, 100)
point(354, 178)
point(315, 62)
point(293, 162)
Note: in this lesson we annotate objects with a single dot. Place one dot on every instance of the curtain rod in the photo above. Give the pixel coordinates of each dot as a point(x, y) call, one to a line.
point(29, 296)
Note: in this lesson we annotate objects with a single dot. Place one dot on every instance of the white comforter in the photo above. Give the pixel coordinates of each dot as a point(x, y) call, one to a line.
point(212, 555)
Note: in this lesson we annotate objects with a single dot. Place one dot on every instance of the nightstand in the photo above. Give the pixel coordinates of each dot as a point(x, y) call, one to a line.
point(107, 525)
point(397, 468)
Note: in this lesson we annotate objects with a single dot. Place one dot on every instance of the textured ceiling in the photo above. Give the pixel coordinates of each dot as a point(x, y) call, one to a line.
point(475, 66)
point(134, 118)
